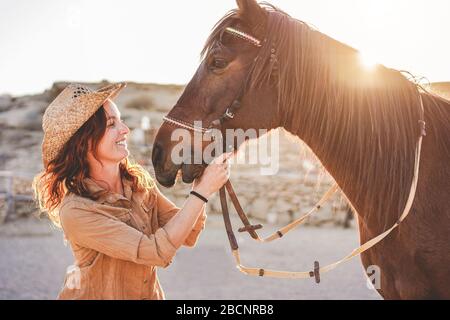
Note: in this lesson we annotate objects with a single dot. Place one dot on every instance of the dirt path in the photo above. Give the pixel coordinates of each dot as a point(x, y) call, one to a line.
point(34, 260)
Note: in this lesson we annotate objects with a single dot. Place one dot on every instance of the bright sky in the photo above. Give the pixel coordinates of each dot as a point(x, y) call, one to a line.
point(160, 41)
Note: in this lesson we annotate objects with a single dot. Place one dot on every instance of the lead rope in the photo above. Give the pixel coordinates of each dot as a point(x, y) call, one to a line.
point(317, 269)
point(281, 232)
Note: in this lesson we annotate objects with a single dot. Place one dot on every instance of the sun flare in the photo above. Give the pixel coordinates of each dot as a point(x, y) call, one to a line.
point(367, 60)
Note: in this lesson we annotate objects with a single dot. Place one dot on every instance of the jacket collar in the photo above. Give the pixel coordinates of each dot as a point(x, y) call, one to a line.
point(107, 196)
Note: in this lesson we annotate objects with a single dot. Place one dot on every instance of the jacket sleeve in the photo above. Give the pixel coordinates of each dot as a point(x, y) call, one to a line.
point(167, 210)
point(110, 236)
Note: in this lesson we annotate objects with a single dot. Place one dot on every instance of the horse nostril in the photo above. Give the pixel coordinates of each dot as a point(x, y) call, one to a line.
point(157, 154)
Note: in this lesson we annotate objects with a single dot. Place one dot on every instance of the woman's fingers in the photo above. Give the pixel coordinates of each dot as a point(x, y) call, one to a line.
point(222, 158)
point(215, 175)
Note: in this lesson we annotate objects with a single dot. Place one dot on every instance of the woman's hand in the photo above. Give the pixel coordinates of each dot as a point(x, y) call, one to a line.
point(214, 176)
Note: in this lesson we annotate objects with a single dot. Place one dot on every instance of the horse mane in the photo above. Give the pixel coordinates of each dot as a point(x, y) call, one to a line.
point(376, 111)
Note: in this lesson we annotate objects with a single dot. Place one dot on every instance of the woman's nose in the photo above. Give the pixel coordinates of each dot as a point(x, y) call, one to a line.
point(125, 129)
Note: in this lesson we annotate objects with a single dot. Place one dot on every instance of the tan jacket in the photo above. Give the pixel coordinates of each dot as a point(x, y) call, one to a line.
point(118, 242)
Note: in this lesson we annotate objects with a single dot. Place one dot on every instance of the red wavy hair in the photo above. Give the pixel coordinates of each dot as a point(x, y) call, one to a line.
point(66, 173)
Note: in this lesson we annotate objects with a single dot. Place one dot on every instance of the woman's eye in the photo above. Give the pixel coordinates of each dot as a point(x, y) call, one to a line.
point(219, 63)
point(114, 123)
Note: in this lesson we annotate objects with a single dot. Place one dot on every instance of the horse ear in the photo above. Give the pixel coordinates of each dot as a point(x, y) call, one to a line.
point(251, 12)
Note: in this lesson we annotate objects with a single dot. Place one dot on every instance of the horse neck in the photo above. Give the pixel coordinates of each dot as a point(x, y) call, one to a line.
point(363, 172)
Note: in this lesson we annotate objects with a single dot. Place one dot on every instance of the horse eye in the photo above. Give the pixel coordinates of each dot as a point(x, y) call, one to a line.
point(219, 63)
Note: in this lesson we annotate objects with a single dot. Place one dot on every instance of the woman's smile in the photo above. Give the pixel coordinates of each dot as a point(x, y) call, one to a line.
point(122, 143)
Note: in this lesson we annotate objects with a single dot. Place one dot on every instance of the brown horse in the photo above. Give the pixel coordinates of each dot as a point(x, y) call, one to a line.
point(362, 125)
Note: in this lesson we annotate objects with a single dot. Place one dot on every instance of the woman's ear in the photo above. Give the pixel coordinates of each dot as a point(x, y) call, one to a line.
point(252, 13)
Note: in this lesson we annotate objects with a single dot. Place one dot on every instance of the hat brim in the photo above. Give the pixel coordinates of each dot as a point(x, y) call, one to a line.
point(112, 90)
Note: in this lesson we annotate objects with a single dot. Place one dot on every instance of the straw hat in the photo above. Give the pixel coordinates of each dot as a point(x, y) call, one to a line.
point(68, 112)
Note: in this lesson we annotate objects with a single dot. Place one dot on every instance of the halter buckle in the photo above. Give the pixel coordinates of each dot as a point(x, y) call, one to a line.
point(423, 131)
point(229, 114)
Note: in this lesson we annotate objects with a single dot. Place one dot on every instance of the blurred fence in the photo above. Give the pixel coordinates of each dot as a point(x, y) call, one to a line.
point(10, 195)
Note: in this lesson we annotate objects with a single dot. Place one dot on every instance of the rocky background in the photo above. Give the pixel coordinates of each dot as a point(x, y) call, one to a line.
point(281, 198)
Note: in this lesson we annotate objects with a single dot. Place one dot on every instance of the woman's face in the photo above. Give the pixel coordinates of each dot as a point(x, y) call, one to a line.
point(112, 147)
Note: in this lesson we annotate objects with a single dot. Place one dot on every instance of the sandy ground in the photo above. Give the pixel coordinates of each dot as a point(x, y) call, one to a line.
point(34, 260)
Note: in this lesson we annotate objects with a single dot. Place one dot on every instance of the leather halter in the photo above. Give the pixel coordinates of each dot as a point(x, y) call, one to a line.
point(236, 104)
point(251, 229)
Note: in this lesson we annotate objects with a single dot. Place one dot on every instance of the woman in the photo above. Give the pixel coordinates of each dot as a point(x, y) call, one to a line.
point(120, 227)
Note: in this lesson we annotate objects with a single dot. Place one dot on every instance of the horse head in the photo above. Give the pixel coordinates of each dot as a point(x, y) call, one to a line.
point(222, 87)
